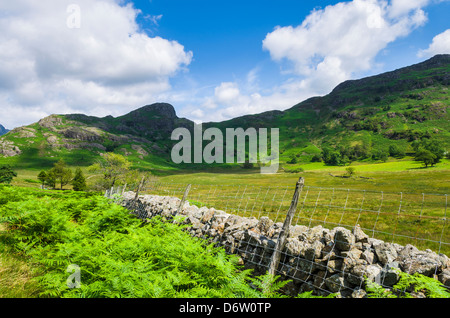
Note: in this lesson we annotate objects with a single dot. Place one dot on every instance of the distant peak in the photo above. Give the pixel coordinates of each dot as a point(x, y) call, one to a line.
point(163, 109)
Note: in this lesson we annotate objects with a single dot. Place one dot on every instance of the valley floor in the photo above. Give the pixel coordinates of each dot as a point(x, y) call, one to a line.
point(405, 175)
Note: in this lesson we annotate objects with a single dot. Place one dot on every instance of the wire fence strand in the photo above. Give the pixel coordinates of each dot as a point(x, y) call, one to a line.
point(402, 218)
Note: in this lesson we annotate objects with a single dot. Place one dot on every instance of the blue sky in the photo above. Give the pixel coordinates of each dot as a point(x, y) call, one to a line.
point(212, 60)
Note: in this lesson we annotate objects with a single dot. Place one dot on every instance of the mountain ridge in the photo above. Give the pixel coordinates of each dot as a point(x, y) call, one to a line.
point(395, 107)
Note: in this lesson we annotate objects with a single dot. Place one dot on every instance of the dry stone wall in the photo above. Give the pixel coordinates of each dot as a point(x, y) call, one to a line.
point(318, 259)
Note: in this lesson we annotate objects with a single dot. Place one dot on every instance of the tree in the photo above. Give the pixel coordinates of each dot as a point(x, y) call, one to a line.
point(42, 176)
point(113, 167)
point(316, 158)
point(350, 171)
point(334, 159)
point(61, 173)
point(50, 180)
point(380, 155)
point(293, 160)
point(433, 146)
point(331, 157)
point(426, 156)
point(247, 164)
point(7, 174)
point(396, 151)
point(79, 181)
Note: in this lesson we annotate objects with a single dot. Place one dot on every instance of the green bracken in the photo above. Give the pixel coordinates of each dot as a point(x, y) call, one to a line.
point(119, 256)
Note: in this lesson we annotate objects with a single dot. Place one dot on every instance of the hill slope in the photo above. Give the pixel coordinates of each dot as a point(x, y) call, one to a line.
point(393, 108)
point(364, 116)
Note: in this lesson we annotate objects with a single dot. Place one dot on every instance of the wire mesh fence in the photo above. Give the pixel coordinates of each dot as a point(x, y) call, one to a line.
point(323, 264)
point(403, 218)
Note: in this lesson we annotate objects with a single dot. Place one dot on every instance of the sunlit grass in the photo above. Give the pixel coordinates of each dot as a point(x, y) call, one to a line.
point(15, 274)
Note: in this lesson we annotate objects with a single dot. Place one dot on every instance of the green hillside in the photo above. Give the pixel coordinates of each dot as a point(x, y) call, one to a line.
point(365, 116)
point(360, 120)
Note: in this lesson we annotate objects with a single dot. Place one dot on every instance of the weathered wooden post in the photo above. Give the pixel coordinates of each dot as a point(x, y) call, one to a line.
point(276, 256)
point(139, 189)
point(186, 192)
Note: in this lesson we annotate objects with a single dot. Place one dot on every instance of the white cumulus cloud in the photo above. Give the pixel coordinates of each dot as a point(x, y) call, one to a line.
point(334, 43)
point(94, 60)
point(439, 45)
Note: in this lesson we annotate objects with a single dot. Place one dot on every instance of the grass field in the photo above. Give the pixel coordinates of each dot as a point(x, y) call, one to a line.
point(405, 175)
point(398, 200)
point(396, 176)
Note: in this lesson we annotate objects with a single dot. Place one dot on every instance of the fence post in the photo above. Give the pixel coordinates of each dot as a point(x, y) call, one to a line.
point(139, 189)
point(276, 256)
point(186, 192)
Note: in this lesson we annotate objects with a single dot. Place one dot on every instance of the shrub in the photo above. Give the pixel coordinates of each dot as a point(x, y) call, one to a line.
point(294, 170)
point(316, 158)
point(7, 174)
point(396, 151)
point(350, 171)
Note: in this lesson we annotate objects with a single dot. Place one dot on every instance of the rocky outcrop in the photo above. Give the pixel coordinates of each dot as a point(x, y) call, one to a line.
point(319, 259)
point(8, 149)
point(50, 122)
point(24, 132)
point(81, 134)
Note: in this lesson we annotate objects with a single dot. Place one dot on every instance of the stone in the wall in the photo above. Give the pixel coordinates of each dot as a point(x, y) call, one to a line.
point(389, 275)
point(335, 283)
point(444, 277)
point(360, 236)
point(386, 252)
point(344, 239)
point(412, 261)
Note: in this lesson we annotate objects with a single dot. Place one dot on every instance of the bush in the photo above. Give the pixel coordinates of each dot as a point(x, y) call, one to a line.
point(350, 171)
point(396, 151)
point(7, 174)
point(380, 155)
point(316, 158)
point(294, 170)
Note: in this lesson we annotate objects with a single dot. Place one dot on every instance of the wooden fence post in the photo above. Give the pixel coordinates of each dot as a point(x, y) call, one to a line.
point(276, 256)
point(186, 192)
point(139, 189)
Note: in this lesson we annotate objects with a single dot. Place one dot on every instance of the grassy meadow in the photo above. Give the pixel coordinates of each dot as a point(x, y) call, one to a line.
point(397, 200)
